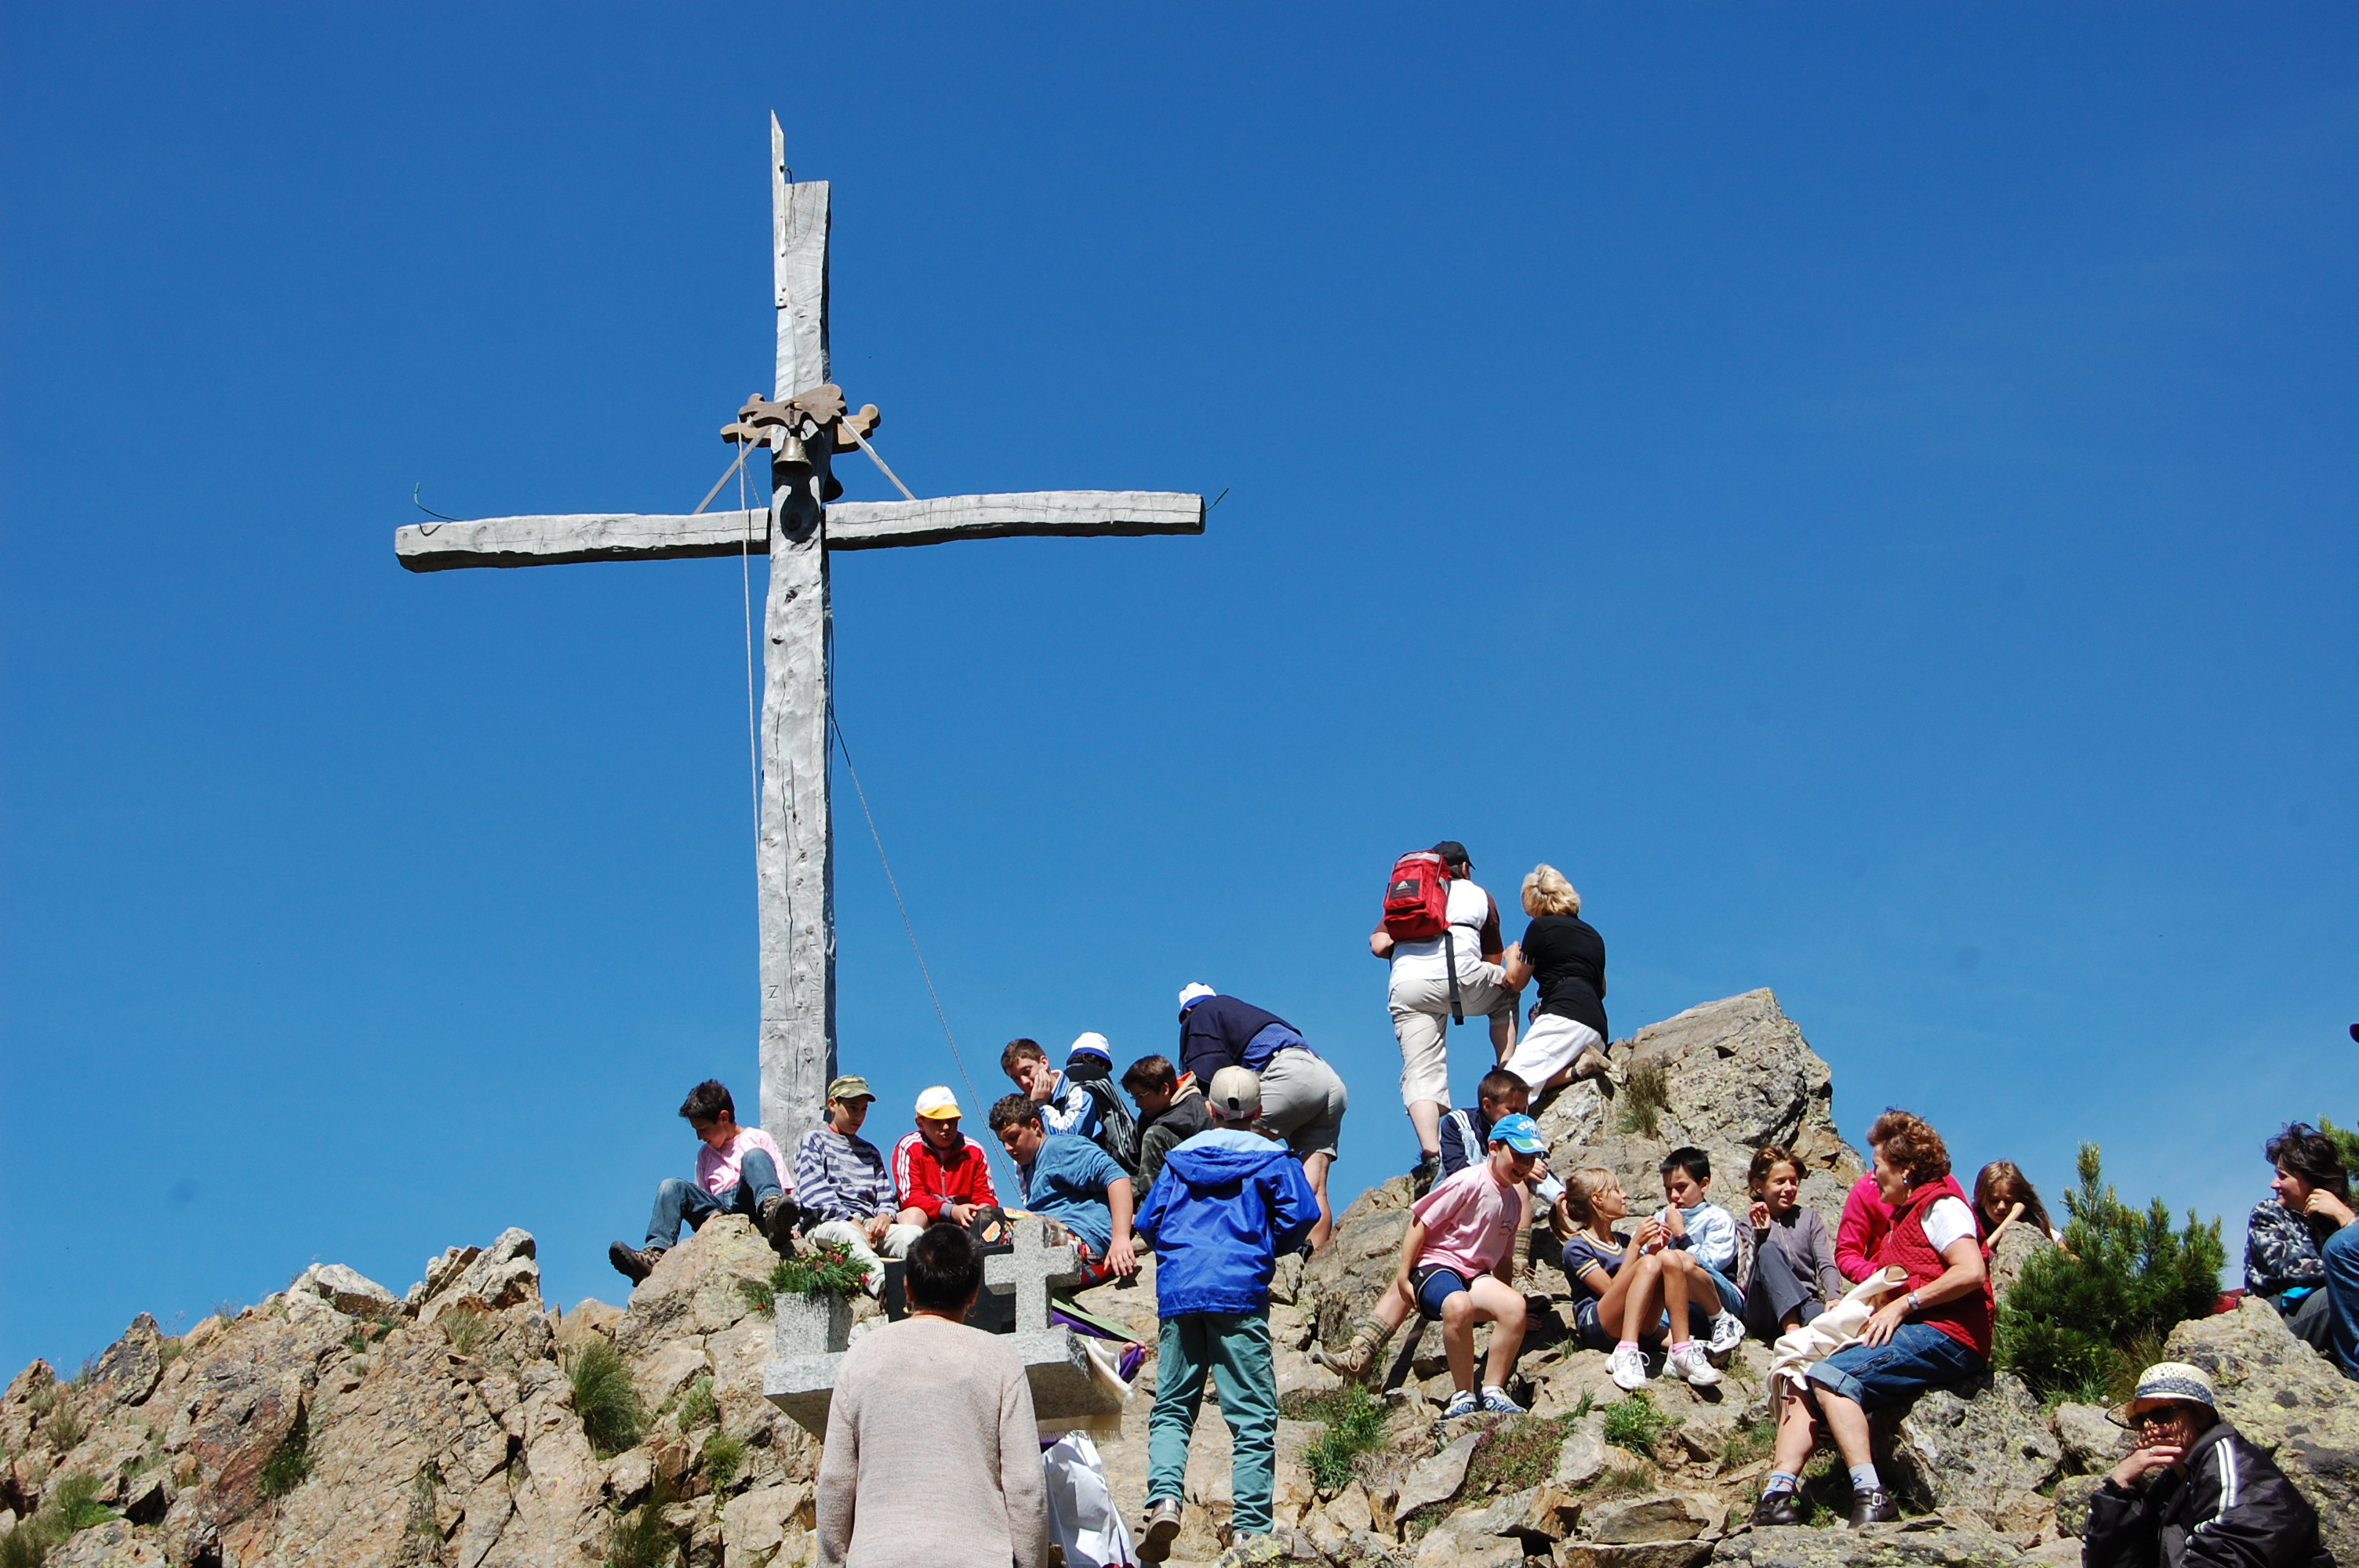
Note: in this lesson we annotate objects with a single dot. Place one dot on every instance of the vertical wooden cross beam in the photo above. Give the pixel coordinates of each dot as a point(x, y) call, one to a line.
point(796, 873)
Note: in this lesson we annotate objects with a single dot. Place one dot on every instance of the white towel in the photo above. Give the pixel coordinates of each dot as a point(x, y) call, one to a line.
point(1839, 1326)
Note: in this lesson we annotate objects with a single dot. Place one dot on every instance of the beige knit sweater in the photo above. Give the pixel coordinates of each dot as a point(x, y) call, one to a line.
point(932, 1458)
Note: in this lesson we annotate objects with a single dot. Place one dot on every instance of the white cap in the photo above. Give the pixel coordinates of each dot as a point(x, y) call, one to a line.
point(1236, 1094)
point(1194, 991)
point(1090, 1041)
point(938, 1104)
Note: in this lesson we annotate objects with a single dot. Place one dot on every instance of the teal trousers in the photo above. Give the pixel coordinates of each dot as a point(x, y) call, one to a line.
point(1233, 1348)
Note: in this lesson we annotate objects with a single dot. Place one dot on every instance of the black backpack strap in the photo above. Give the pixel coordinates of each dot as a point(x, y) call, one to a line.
point(1450, 957)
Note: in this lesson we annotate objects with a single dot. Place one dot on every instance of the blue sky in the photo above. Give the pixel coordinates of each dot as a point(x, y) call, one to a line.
point(1866, 492)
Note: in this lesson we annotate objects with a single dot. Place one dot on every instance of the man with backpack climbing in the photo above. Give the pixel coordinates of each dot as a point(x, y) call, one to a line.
point(1302, 1099)
point(1441, 933)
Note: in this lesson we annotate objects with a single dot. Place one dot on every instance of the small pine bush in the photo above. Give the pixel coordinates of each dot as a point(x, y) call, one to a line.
point(2124, 1280)
point(2347, 1143)
point(603, 1399)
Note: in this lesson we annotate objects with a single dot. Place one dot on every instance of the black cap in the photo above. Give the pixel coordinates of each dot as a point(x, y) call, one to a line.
point(1453, 853)
point(2354, 1032)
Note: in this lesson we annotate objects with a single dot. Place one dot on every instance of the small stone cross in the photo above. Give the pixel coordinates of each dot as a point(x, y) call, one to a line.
point(1028, 1270)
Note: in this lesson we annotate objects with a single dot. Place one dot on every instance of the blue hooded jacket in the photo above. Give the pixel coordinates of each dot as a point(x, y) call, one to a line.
point(1226, 1203)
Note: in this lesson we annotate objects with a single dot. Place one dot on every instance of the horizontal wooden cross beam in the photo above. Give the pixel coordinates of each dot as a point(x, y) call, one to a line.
point(851, 525)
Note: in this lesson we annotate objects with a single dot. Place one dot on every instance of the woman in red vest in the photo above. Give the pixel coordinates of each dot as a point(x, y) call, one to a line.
point(1938, 1331)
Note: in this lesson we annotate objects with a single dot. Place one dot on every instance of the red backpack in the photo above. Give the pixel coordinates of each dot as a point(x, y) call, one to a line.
point(1417, 908)
point(1417, 898)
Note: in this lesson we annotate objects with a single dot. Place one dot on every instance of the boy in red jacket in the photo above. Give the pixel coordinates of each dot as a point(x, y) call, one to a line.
point(938, 1173)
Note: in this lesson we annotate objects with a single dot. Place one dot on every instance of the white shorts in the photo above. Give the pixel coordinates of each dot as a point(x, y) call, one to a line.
point(1421, 1020)
point(1554, 1043)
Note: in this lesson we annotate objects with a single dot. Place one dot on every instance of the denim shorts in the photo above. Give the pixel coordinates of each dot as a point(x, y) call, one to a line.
point(1595, 1335)
point(1920, 1357)
point(1732, 1300)
point(1436, 1285)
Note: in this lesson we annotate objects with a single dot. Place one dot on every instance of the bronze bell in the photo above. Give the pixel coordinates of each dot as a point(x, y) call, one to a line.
point(790, 460)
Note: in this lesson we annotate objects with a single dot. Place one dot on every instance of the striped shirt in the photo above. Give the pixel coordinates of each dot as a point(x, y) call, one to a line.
point(838, 1177)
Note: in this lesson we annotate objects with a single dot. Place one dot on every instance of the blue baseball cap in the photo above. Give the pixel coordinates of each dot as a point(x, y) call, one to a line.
point(1519, 1132)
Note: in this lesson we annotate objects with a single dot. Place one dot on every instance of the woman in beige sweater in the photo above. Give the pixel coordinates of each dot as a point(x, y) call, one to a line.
point(933, 1457)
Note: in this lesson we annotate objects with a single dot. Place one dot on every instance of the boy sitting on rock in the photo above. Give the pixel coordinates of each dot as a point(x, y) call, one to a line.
point(1693, 1222)
point(845, 1192)
point(1070, 1179)
point(1455, 1266)
point(737, 1172)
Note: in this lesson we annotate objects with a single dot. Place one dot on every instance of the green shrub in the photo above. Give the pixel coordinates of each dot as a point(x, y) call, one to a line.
point(1748, 1442)
point(1646, 1095)
point(827, 1267)
point(696, 1406)
point(1355, 1425)
point(603, 1398)
point(1514, 1453)
point(1637, 1424)
point(423, 1487)
point(2122, 1279)
point(65, 1428)
point(1616, 1479)
point(44, 1400)
point(291, 1461)
point(723, 1455)
point(71, 1504)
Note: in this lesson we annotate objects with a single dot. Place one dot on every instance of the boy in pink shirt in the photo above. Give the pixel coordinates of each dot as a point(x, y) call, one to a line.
point(738, 1171)
point(1455, 1267)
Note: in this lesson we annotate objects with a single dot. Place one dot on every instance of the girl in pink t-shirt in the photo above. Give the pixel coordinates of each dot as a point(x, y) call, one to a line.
point(1455, 1265)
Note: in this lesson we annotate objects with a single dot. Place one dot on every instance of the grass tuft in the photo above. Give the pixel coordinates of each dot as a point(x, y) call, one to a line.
point(1646, 1095)
point(1637, 1424)
point(603, 1398)
point(467, 1329)
point(73, 1504)
point(696, 1406)
point(1748, 1442)
point(290, 1462)
point(641, 1539)
point(65, 1429)
point(723, 1456)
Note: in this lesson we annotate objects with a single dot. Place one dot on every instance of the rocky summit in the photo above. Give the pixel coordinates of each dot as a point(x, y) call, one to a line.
point(468, 1422)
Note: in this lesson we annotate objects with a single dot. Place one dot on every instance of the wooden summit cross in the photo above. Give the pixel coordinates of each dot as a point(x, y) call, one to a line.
point(803, 427)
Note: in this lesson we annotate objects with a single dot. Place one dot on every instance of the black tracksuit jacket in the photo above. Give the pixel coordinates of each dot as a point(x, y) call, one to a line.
point(2233, 1509)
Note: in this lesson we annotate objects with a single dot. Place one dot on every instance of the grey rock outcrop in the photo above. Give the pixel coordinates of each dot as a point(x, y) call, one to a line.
point(1980, 1452)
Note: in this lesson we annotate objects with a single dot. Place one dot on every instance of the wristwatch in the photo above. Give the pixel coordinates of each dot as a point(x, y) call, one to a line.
point(1912, 1302)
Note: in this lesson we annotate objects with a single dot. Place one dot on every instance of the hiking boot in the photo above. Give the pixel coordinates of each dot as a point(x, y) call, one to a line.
point(634, 1263)
point(1357, 1359)
point(1691, 1366)
point(1727, 1333)
point(1157, 1530)
point(1495, 1400)
point(1875, 1506)
point(1628, 1364)
point(1463, 1402)
point(1783, 1506)
point(774, 1218)
point(1423, 1174)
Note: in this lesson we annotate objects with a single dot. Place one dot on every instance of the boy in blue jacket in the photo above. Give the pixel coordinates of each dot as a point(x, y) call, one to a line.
point(1227, 1202)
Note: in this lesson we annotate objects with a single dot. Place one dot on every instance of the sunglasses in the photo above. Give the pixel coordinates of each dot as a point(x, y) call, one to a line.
point(2156, 1416)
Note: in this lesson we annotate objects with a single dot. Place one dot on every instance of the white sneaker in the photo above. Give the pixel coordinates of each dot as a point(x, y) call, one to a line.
point(1689, 1366)
point(1495, 1400)
point(1628, 1364)
point(1462, 1403)
point(1727, 1333)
